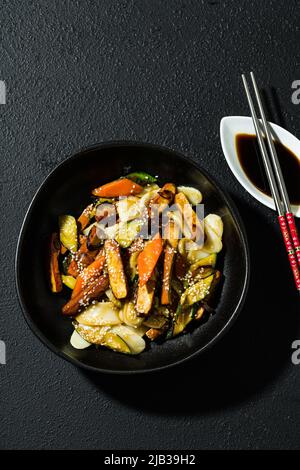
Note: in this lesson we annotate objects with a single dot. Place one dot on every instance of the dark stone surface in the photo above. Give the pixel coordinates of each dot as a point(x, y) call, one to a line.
point(161, 71)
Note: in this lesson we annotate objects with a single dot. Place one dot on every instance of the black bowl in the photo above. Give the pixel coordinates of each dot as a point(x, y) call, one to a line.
point(66, 191)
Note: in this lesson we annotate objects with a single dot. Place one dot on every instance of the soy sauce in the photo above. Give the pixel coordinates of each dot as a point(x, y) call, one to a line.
point(251, 163)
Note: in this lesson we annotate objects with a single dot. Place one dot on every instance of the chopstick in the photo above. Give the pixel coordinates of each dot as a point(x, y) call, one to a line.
point(278, 173)
point(276, 182)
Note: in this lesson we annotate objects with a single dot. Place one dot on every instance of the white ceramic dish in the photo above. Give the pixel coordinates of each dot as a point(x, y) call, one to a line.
point(230, 126)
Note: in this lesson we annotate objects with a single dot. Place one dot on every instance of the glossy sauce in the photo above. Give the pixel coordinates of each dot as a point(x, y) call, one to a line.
point(252, 165)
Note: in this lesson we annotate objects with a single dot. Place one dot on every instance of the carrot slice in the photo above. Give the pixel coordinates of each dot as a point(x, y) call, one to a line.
point(89, 273)
point(55, 276)
point(93, 291)
point(148, 258)
point(121, 187)
point(85, 217)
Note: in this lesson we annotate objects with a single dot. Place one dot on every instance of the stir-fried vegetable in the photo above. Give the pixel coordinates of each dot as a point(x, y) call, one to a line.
point(132, 339)
point(68, 281)
point(121, 187)
point(117, 278)
point(141, 178)
point(213, 232)
point(165, 195)
point(78, 342)
point(93, 241)
point(155, 321)
point(182, 320)
point(68, 232)
point(154, 333)
point(126, 284)
point(193, 195)
point(91, 334)
point(129, 315)
point(171, 234)
point(132, 265)
point(93, 291)
point(145, 296)
point(169, 256)
point(114, 341)
point(128, 208)
point(55, 277)
point(207, 261)
point(128, 232)
point(86, 216)
point(197, 291)
point(99, 314)
point(109, 294)
point(191, 226)
point(148, 258)
point(91, 272)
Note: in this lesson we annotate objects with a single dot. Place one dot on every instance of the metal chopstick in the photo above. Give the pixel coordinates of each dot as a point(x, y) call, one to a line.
point(278, 173)
point(274, 189)
point(264, 153)
point(273, 153)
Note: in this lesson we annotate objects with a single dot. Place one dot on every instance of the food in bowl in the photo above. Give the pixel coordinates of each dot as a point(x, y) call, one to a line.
point(139, 264)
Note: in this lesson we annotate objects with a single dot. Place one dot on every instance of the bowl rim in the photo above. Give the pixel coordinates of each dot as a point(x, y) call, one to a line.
point(229, 203)
point(244, 125)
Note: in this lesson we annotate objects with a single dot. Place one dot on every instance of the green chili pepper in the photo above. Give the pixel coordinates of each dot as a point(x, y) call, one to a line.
point(142, 178)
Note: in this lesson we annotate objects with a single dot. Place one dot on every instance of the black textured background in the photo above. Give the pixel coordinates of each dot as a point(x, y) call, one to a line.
point(161, 71)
